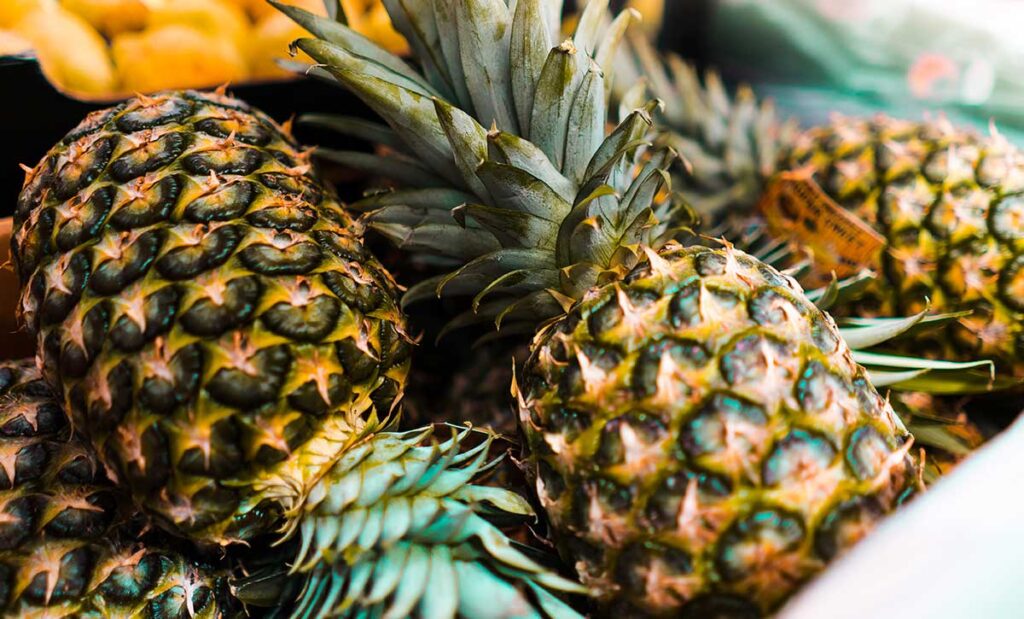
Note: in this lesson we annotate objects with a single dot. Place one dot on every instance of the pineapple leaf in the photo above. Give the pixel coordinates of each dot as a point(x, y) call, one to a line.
point(374, 133)
point(484, 32)
point(878, 332)
point(339, 36)
point(527, 57)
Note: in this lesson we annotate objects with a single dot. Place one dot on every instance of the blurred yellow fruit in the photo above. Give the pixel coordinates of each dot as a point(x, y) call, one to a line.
point(71, 53)
point(13, 43)
point(218, 18)
point(176, 56)
point(259, 10)
point(377, 26)
point(110, 16)
point(653, 12)
point(11, 11)
point(270, 40)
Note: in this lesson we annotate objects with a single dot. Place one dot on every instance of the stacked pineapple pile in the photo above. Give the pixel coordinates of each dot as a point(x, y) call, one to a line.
point(700, 434)
point(103, 48)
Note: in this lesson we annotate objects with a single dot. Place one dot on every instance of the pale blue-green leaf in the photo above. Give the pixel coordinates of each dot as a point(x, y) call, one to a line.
point(341, 36)
point(397, 519)
point(413, 584)
point(608, 48)
point(528, 50)
point(514, 228)
point(410, 114)
point(517, 282)
point(586, 124)
point(484, 31)
point(416, 21)
point(588, 28)
point(440, 598)
point(515, 189)
point(625, 138)
point(553, 99)
point(515, 151)
point(445, 14)
point(434, 199)
point(387, 573)
point(468, 142)
point(865, 337)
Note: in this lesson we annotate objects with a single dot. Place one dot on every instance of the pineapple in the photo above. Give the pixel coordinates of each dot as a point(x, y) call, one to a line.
point(944, 201)
point(203, 303)
point(701, 437)
point(208, 313)
point(68, 545)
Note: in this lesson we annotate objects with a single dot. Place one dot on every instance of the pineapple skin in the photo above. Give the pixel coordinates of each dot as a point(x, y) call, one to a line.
point(205, 307)
point(949, 205)
point(702, 439)
point(68, 546)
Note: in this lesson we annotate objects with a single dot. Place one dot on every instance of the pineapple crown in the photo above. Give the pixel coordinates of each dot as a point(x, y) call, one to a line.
point(500, 143)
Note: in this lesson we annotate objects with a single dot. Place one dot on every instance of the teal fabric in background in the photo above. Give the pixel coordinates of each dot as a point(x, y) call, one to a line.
point(907, 58)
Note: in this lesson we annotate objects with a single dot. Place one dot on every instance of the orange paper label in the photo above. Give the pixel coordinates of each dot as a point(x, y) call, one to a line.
point(795, 207)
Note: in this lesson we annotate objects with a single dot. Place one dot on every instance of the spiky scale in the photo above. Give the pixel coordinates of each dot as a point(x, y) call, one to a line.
point(69, 544)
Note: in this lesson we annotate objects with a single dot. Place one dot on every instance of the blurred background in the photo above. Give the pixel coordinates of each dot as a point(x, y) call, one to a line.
point(964, 58)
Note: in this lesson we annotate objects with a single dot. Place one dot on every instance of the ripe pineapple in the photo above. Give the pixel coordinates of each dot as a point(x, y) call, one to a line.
point(68, 546)
point(210, 316)
point(704, 439)
point(700, 434)
point(204, 304)
point(945, 201)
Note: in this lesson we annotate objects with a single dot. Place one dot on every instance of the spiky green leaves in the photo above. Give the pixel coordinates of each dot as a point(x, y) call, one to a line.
point(397, 529)
point(502, 147)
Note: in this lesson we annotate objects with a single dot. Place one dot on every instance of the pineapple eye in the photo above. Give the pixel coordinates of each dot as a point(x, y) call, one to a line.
point(250, 377)
point(149, 157)
point(1008, 218)
point(756, 358)
point(208, 247)
point(755, 543)
point(292, 186)
point(245, 129)
point(684, 309)
point(665, 358)
point(630, 438)
point(297, 256)
point(236, 159)
point(727, 435)
point(86, 159)
point(769, 307)
point(667, 501)
point(150, 205)
point(82, 220)
point(799, 456)
point(153, 113)
point(638, 560)
point(123, 261)
point(845, 525)
point(227, 201)
point(869, 455)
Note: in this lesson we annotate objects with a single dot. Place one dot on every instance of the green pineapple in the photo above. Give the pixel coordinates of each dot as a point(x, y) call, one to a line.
point(211, 318)
point(946, 202)
point(700, 435)
point(68, 544)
